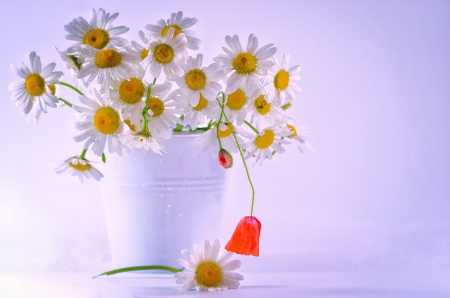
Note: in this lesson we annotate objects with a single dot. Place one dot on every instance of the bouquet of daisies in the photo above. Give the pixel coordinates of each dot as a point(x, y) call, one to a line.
point(136, 94)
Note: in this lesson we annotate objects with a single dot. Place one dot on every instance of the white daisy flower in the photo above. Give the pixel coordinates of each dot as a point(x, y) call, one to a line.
point(73, 63)
point(108, 64)
point(33, 92)
point(179, 24)
point(199, 114)
point(162, 110)
point(98, 32)
point(265, 114)
point(79, 167)
point(137, 51)
point(236, 105)
point(143, 140)
point(283, 80)
point(128, 96)
point(164, 54)
point(210, 141)
point(246, 67)
point(264, 145)
point(209, 271)
point(300, 135)
point(101, 124)
point(198, 80)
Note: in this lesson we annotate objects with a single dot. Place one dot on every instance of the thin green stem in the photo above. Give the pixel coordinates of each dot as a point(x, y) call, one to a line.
point(210, 124)
point(145, 114)
point(65, 102)
point(251, 126)
point(240, 151)
point(220, 120)
point(71, 87)
point(83, 153)
point(140, 268)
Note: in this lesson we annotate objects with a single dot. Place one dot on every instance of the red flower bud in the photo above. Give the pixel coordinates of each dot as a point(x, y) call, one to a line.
point(225, 159)
point(245, 239)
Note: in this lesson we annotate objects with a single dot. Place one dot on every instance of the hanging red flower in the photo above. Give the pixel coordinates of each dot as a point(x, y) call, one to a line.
point(245, 239)
point(225, 159)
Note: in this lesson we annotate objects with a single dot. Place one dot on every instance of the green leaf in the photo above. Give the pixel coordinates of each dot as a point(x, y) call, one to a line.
point(103, 157)
point(140, 268)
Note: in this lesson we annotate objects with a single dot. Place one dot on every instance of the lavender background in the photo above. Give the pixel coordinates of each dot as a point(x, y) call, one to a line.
point(374, 194)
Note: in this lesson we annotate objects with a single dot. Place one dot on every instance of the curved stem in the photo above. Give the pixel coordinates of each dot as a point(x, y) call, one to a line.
point(251, 126)
point(240, 151)
point(139, 268)
point(71, 87)
point(65, 102)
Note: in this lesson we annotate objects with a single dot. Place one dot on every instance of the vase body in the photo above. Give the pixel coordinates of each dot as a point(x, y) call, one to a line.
point(157, 205)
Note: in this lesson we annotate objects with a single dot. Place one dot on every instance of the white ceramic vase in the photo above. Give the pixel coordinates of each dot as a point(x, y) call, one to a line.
point(157, 205)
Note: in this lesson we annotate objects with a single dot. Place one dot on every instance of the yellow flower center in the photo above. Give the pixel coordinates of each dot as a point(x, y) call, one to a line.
point(225, 133)
point(203, 103)
point(294, 131)
point(97, 38)
point(108, 58)
point(195, 79)
point(106, 120)
point(156, 105)
point(264, 141)
point(208, 274)
point(236, 100)
point(245, 63)
point(132, 91)
point(163, 53)
point(281, 80)
point(166, 29)
point(52, 88)
point(35, 84)
point(261, 105)
point(80, 167)
point(144, 54)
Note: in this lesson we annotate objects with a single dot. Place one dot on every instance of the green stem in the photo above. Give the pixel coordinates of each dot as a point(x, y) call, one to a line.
point(220, 120)
point(71, 87)
point(83, 153)
point(252, 127)
point(140, 268)
point(210, 124)
point(240, 151)
point(145, 110)
point(65, 101)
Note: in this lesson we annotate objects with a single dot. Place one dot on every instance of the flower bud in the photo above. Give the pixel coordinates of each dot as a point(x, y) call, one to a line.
point(225, 159)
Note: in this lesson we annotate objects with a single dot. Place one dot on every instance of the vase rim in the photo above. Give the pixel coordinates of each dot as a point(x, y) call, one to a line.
point(183, 134)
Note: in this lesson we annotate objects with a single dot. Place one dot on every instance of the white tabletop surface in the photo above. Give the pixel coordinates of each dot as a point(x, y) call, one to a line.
point(408, 284)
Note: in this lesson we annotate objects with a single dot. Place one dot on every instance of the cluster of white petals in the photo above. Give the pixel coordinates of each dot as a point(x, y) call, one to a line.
point(234, 100)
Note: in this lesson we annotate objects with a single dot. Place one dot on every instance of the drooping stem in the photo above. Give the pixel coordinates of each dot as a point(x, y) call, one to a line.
point(71, 87)
point(240, 151)
point(218, 123)
point(65, 102)
point(251, 126)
